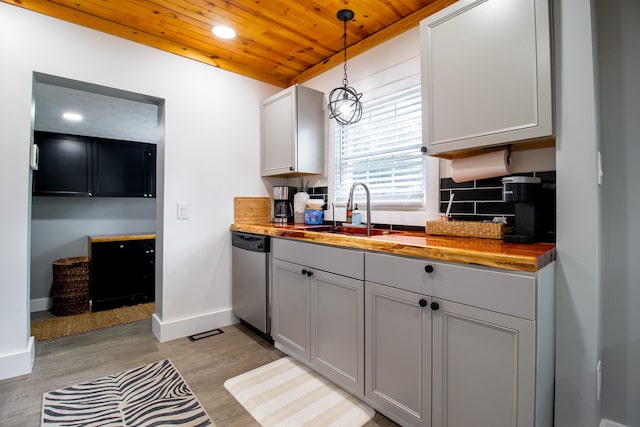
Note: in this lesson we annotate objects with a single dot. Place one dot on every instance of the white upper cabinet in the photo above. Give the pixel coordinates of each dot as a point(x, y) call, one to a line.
point(486, 74)
point(293, 133)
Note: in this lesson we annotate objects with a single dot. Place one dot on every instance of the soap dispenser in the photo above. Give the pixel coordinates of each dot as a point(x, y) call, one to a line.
point(356, 216)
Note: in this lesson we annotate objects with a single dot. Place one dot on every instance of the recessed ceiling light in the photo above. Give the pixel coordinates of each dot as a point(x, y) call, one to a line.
point(224, 32)
point(72, 117)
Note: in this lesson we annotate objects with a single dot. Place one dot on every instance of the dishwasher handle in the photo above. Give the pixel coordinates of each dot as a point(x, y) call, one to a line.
point(250, 242)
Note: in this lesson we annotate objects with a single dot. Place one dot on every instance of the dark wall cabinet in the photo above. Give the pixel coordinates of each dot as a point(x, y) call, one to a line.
point(122, 272)
point(71, 165)
point(126, 169)
point(65, 166)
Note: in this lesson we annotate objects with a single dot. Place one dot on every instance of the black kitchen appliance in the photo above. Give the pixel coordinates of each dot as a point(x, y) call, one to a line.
point(283, 204)
point(524, 192)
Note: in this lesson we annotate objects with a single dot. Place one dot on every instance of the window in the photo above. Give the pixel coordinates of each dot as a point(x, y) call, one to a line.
point(382, 150)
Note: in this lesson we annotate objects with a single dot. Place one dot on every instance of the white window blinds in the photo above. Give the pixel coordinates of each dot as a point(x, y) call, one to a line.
point(383, 151)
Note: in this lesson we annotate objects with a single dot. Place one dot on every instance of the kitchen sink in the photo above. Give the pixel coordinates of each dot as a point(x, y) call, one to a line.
point(348, 230)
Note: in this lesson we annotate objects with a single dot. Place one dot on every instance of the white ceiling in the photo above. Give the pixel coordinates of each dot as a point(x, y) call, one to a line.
point(107, 113)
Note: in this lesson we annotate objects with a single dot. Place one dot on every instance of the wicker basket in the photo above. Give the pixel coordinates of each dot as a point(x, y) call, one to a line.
point(70, 290)
point(484, 230)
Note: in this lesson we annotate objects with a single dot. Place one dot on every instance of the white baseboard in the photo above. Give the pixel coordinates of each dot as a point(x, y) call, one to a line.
point(16, 364)
point(166, 331)
point(608, 423)
point(41, 304)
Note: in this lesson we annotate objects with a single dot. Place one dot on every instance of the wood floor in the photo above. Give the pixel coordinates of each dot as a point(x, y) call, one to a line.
point(205, 365)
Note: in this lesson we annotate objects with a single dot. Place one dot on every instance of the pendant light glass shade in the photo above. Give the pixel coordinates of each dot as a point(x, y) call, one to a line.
point(344, 102)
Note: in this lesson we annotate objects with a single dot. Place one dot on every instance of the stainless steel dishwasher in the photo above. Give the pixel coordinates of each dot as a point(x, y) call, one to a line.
point(250, 292)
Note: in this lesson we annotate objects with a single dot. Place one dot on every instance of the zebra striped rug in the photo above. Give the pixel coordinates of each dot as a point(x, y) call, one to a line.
point(287, 393)
point(151, 395)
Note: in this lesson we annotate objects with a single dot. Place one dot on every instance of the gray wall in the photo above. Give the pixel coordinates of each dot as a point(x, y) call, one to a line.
point(578, 282)
point(619, 39)
point(60, 225)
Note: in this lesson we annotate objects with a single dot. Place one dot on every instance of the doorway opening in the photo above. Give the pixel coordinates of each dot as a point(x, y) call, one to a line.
point(61, 223)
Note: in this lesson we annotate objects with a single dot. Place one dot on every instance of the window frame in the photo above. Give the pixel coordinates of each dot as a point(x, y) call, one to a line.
point(385, 215)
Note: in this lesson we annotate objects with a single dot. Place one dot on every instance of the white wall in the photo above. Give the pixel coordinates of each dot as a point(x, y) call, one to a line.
point(578, 216)
point(619, 38)
point(211, 139)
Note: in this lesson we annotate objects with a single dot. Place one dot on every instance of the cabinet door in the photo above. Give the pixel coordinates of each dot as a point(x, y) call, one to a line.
point(486, 74)
point(122, 273)
point(124, 169)
point(483, 368)
point(290, 308)
point(398, 347)
point(337, 329)
point(279, 133)
point(64, 168)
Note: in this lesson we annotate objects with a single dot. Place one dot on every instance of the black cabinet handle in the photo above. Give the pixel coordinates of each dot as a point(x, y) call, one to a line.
point(435, 306)
point(309, 273)
point(291, 168)
point(422, 302)
point(304, 271)
point(428, 268)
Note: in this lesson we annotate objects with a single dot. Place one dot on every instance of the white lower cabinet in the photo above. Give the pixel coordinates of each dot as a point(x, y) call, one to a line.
point(398, 354)
point(317, 315)
point(483, 368)
point(431, 361)
point(290, 309)
point(425, 343)
point(337, 329)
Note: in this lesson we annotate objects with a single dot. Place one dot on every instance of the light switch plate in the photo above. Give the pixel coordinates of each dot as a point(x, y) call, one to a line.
point(183, 211)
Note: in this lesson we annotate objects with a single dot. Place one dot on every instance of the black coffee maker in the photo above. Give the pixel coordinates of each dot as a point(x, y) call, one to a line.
point(524, 192)
point(282, 204)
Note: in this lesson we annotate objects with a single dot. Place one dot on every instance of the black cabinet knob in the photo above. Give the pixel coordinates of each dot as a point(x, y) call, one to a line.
point(422, 302)
point(304, 272)
point(309, 273)
point(423, 149)
point(428, 268)
point(435, 306)
point(291, 168)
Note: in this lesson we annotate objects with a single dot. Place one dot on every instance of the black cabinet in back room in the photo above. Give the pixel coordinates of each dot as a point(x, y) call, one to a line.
point(65, 166)
point(122, 271)
point(124, 169)
point(73, 165)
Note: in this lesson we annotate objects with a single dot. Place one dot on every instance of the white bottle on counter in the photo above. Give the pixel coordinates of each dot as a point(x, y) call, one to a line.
point(356, 216)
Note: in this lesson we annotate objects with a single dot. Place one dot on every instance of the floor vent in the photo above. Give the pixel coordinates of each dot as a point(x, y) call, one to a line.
point(203, 335)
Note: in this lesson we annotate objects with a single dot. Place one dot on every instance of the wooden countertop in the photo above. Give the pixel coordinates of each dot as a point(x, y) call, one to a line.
point(487, 252)
point(101, 238)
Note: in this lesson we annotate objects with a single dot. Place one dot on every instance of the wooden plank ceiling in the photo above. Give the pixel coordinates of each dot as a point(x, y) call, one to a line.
point(281, 42)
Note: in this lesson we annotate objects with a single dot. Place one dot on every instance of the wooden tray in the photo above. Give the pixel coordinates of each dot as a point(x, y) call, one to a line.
point(483, 230)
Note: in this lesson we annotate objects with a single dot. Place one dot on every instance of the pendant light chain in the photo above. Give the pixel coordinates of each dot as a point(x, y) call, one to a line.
point(345, 82)
point(344, 102)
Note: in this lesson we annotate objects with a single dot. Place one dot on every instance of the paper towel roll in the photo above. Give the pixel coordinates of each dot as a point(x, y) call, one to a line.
point(482, 166)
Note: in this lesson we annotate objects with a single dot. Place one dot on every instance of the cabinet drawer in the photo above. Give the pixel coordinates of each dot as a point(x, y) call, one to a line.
point(345, 262)
point(503, 292)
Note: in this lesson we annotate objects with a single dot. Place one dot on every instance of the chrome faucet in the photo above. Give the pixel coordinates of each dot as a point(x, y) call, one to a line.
point(350, 203)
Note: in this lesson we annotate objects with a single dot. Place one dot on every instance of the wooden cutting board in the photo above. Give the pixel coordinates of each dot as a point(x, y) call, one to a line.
point(248, 210)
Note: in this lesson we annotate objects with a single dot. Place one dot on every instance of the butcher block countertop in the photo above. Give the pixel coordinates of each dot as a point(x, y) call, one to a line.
point(486, 252)
point(101, 238)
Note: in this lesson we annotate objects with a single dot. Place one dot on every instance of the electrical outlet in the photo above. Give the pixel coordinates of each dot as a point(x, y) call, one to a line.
point(183, 211)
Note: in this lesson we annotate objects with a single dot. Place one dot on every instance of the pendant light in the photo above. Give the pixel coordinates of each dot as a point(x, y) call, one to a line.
point(344, 102)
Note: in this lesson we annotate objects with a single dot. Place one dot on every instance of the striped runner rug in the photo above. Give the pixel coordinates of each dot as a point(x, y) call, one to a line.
point(287, 393)
point(151, 395)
